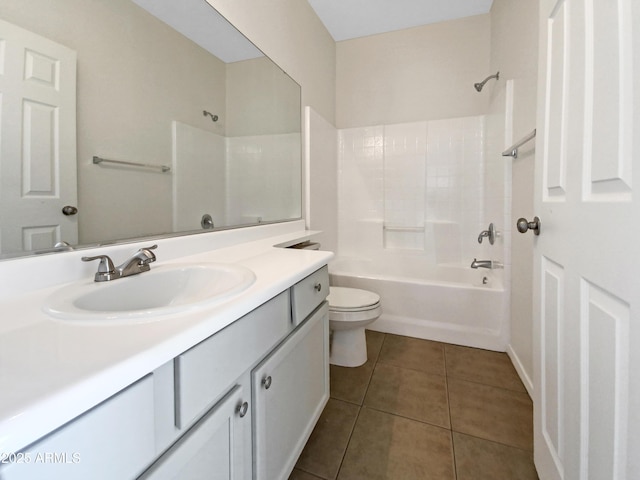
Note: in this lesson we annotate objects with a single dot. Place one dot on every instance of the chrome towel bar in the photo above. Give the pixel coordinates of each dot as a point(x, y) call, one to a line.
point(162, 168)
point(512, 151)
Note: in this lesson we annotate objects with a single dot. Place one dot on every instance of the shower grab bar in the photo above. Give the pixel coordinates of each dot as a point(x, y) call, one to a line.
point(392, 228)
point(512, 151)
point(162, 168)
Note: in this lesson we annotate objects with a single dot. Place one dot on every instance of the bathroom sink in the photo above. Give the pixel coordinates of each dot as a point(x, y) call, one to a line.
point(164, 290)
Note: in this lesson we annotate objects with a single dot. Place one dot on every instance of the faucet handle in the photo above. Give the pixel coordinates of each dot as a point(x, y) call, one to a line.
point(490, 233)
point(106, 269)
point(146, 256)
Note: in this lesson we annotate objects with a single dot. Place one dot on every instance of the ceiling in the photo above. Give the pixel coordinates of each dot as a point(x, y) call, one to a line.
point(200, 23)
point(346, 19)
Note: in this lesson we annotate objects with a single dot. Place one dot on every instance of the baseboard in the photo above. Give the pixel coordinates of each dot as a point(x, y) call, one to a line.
point(522, 373)
point(440, 332)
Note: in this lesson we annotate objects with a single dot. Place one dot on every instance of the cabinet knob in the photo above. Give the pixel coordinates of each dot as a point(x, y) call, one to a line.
point(318, 287)
point(266, 381)
point(242, 409)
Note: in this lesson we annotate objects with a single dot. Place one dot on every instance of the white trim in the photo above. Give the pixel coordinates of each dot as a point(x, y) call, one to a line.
point(522, 372)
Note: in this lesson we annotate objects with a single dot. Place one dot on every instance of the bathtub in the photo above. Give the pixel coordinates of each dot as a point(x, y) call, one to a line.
point(448, 303)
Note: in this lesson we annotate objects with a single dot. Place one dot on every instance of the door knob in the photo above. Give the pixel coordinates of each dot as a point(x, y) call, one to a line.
point(523, 225)
point(69, 210)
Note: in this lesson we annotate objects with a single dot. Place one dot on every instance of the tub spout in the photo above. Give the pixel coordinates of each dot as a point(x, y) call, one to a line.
point(481, 264)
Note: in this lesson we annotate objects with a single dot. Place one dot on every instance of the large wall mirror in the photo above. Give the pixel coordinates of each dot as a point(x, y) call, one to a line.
point(125, 119)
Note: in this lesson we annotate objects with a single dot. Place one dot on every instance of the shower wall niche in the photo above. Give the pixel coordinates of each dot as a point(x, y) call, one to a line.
point(412, 189)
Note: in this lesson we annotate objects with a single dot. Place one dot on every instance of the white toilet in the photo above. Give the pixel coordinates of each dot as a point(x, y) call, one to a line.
point(350, 311)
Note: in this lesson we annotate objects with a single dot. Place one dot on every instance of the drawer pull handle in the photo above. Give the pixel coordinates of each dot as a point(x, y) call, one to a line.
point(242, 409)
point(266, 381)
point(318, 287)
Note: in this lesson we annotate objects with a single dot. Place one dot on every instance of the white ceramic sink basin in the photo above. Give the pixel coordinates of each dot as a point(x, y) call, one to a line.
point(163, 290)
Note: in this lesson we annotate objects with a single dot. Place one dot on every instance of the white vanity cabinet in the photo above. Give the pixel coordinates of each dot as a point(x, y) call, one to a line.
point(209, 412)
point(280, 352)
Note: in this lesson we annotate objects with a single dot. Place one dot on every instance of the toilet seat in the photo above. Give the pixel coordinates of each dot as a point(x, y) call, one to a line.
point(342, 299)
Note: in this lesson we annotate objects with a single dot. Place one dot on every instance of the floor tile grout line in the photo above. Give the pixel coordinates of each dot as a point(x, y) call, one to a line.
point(405, 417)
point(446, 385)
point(493, 441)
point(355, 423)
point(346, 448)
point(413, 369)
point(454, 376)
point(310, 473)
point(453, 451)
point(477, 382)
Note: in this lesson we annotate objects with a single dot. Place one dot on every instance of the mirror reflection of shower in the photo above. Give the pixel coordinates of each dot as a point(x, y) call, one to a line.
point(479, 86)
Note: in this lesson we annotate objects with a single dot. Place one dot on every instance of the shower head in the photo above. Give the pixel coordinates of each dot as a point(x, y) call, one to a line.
point(479, 86)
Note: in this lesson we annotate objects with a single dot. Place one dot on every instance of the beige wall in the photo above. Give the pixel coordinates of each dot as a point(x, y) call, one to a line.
point(261, 99)
point(514, 51)
point(421, 73)
point(290, 33)
point(514, 38)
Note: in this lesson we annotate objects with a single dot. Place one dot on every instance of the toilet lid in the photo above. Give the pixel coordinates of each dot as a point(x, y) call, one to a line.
point(341, 298)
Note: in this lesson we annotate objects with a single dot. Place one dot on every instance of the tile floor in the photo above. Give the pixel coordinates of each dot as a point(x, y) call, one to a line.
point(422, 410)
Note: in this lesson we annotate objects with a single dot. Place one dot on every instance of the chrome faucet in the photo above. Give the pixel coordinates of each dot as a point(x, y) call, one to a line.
point(486, 264)
point(481, 264)
point(137, 263)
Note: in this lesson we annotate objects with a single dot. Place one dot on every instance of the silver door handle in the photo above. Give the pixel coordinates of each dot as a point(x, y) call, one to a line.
point(523, 225)
point(69, 210)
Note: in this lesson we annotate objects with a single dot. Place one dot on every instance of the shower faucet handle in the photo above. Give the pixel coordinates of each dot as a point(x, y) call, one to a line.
point(490, 234)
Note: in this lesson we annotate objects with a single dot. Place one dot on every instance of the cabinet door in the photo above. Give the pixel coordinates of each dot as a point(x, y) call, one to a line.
point(212, 449)
point(290, 388)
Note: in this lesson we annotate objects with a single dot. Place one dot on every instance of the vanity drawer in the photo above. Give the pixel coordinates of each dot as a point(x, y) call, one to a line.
point(308, 293)
point(112, 440)
point(205, 372)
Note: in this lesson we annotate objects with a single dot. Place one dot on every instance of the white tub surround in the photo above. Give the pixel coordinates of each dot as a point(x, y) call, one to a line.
point(52, 370)
point(447, 303)
point(413, 200)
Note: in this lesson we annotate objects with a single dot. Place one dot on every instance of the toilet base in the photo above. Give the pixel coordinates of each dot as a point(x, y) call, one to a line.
point(348, 347)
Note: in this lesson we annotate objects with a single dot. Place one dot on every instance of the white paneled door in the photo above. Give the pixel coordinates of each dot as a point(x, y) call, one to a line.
point(587, 256)
point(37, 141)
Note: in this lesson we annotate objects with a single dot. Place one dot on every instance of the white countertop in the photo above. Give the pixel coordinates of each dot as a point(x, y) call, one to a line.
point(51, 371)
